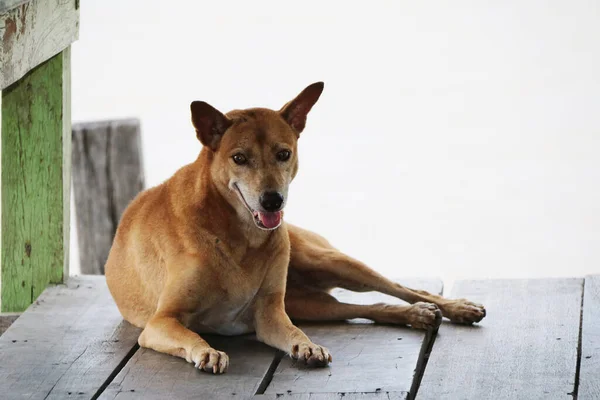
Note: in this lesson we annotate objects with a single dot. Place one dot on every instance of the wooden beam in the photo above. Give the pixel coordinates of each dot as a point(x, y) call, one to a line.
point(36, 137)
point(589, 375)
point(32, 32)
point(107, 175)
point(526, 347)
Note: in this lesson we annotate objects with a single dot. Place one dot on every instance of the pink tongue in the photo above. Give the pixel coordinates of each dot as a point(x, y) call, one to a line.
point(270, 219)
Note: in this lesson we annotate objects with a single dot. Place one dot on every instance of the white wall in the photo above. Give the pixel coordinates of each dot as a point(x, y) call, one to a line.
point(454, 139)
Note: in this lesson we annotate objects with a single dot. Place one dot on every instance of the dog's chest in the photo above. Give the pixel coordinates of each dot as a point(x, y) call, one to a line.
point(242, 273)
point(232, 311)
point(227, 320)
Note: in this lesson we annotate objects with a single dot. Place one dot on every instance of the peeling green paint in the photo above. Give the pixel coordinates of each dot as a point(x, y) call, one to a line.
point(35, 117)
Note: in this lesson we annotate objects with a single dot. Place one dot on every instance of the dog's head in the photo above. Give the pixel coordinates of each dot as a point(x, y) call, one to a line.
point(254, 153)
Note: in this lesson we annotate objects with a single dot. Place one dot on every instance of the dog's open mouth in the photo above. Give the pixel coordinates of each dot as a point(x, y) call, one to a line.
point(264, 220)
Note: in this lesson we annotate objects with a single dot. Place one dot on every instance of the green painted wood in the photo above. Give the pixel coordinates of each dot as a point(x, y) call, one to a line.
point(36, 131)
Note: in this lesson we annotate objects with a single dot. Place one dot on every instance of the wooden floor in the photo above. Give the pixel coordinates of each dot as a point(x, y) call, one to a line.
point(541, 339)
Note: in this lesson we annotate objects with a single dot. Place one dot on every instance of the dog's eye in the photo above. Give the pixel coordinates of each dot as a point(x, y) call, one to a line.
point(239, 159)
point(284, 155)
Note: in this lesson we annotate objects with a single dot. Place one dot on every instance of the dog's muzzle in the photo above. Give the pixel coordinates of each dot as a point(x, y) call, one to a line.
point(272, 203)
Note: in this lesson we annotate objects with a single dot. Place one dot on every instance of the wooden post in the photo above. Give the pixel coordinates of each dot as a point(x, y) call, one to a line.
point(36, 137)
point(35, 79)
point(107, 175)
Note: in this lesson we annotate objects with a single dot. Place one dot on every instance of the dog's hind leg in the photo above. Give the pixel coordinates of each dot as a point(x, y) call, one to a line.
point(315, 263)
point(311, 305)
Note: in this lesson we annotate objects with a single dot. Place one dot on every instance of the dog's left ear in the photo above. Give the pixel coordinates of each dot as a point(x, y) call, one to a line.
point(210, 124)
point(295, 111)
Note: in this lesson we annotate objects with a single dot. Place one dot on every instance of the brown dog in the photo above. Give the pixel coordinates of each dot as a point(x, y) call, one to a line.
point(207, 251)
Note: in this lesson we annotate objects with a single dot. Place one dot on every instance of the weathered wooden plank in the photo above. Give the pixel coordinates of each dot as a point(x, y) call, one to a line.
point(7, 5)
point(334, 396)
point(152, 375)
point(526, 347)
point(33, 32)
point(35, 185)
point(287, 396)
point(367, 358)
point(589, 375)
point(107, 175)
point(66, 345)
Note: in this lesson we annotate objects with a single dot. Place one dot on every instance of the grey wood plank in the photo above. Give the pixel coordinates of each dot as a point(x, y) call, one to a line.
point(107, 175)
point(152, 375)
point(589, 375)
point(33, 32)
point(367, 358)
point(303, 396)
point(66, 345)
point(525, 348)
point(334, 396)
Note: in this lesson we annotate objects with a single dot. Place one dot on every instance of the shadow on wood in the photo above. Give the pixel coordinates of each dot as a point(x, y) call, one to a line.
point(6, 320)
point(107, 175)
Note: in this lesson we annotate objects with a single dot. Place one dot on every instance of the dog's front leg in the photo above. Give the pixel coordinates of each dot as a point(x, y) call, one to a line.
point(166, 331)
point(274, 327)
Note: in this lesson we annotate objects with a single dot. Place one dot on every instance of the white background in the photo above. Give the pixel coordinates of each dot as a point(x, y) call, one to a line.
point(453, 139)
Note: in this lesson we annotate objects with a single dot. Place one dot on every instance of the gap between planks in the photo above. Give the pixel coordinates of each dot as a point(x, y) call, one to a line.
point(116, 371)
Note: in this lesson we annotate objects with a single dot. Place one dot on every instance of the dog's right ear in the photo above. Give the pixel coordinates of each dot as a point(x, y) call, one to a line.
point(210, 124)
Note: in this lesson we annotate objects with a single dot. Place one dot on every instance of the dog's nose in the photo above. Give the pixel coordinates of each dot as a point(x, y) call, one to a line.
point(271, 201)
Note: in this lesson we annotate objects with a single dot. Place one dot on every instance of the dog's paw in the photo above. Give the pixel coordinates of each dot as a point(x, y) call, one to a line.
point(313, 355)
point(463, 311)
point(424, 316)
point(209, 360)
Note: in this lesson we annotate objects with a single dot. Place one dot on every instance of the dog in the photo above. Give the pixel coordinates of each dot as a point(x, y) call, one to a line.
point(208, 251)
